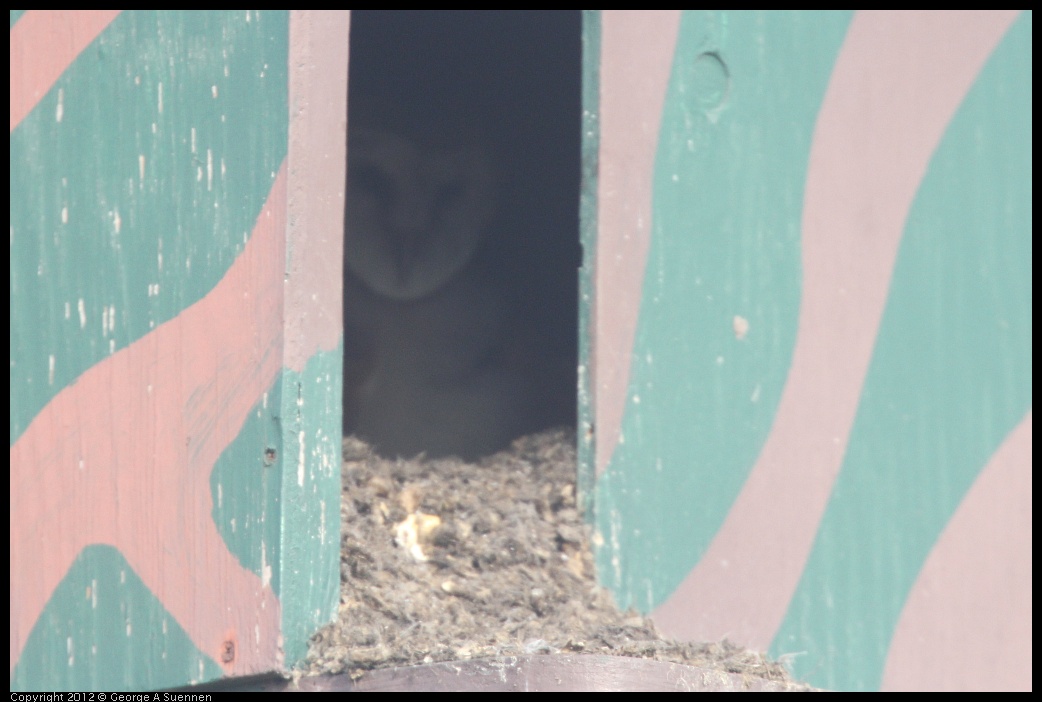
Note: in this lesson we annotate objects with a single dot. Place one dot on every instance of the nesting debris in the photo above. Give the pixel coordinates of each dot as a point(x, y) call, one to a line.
point(444, 560)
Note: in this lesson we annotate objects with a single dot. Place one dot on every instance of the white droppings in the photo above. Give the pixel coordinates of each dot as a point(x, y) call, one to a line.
point(265, 567)
point(81, 306)
point(300, 459)
point(65, 214)
point(59, 110)
point(616, 547)
point(741, 326)
point(159, 99)
point(322, 531)
point(50, 369)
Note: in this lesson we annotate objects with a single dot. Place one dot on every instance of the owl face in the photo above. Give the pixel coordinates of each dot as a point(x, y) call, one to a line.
point(416, 214)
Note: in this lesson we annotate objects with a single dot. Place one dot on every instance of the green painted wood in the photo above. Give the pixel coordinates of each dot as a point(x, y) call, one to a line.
point(725, 241)
point(148, 181)
point(950, 378)
point(310, 518)
point(104, 630)
point(591, 50)
point(112, 240)
point(798, 447)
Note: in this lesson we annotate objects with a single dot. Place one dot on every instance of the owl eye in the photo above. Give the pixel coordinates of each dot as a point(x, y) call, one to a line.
point(366, 177)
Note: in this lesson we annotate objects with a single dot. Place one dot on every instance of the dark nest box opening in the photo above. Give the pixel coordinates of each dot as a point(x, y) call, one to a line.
point(461, 243)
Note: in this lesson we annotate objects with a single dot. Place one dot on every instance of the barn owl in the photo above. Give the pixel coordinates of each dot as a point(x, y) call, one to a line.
point(417, 213)
point(430, 360)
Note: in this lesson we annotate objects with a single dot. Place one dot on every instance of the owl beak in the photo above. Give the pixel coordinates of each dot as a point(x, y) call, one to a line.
point(403, 249)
